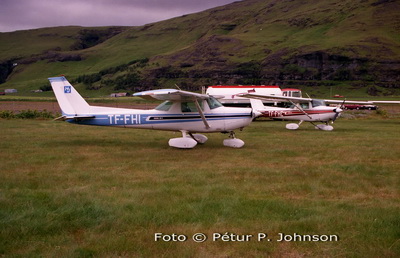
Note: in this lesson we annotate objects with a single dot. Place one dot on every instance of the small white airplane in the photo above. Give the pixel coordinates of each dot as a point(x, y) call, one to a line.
point(183, 111)
point(304, 109)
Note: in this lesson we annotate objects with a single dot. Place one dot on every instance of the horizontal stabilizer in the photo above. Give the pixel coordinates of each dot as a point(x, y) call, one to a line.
point(63, 118)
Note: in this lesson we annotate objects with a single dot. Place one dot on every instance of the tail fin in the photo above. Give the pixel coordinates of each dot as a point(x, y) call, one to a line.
point(70, 101)
point(257, 104)
point(257, 107)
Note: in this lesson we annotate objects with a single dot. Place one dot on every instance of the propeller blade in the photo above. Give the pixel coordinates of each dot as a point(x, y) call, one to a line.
point(342, 105)
point(335, 117)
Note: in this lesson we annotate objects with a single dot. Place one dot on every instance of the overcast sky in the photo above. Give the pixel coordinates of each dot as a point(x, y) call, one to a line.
point(30, 14)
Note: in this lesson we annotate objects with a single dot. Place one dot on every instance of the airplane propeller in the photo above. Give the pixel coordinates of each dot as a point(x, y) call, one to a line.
point(338, 110)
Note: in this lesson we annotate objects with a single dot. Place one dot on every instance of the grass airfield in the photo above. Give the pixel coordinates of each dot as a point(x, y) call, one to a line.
point(76, 191)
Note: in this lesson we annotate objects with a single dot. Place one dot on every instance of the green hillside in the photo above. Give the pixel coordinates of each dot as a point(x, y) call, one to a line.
point(353, 46)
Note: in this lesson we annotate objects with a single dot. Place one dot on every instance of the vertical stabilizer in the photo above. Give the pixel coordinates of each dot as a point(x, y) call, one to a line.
point(257, 107)
point(257, 104)
point(70, 101)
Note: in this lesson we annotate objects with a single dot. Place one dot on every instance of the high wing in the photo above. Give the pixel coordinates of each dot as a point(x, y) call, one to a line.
point(368, 102)
point(272, 97)
point(176, 95)
point(171, 94)
point(306, 100)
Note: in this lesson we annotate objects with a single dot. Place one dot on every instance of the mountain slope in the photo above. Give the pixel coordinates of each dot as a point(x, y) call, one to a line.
point(252, 41)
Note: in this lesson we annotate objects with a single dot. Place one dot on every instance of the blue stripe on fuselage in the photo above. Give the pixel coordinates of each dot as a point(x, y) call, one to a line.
point(143, 119)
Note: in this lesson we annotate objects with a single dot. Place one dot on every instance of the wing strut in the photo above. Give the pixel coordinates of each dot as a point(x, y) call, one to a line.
point(305, 113)
point(299, 108)
point(201, 113)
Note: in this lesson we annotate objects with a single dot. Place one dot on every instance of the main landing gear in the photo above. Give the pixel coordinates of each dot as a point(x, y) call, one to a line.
point(189, 140)
point(323, 127)
point(233, 142)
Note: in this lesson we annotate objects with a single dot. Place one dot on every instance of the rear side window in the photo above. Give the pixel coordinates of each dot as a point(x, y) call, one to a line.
point(189, 107)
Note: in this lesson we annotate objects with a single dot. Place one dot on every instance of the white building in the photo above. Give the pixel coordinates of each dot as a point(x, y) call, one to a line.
point(229, 98)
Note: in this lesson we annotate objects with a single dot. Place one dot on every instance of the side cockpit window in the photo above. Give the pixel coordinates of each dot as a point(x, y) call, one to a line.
point(189, 107)
point(165, 106)
point(318, 103)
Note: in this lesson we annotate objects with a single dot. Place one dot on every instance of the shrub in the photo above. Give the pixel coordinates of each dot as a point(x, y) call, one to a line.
point(6, 114)
point(382, 112)
point(26, 114)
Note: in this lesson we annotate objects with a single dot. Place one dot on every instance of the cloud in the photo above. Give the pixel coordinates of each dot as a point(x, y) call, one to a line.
point(27, 14)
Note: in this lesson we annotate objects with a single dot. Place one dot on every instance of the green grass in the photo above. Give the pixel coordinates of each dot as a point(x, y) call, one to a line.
point(15, 45)
point(68, 190)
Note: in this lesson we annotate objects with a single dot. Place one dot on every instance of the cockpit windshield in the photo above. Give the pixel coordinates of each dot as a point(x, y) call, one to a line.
point(318, 102)
point(213, 103)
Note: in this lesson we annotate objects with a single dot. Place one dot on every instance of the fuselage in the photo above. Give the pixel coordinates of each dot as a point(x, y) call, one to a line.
point(314, 114)
point(169, 116)
point(184, 111)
